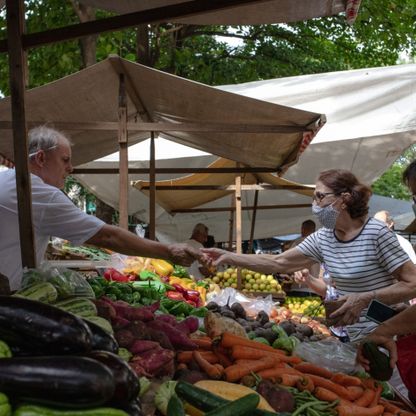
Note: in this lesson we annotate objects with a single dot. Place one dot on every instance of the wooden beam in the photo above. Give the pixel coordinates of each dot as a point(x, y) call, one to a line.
point(238, 224)
point(232, 209)
point(114, 171)
point(227, 188)
point(124, 158)
point(155, 15)
point(253, 221)
point(162, 126)
point(17, 70)
point(152, 188)
point(231, 224)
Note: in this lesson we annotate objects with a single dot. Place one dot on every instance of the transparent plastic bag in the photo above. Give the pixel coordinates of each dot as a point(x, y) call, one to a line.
point(331, 354)
point(252, 306)
point(67, 282)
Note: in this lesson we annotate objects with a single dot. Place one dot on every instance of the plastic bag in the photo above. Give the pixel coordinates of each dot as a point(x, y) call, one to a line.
point(331, 354)
point(252, 306)
point(67, 282)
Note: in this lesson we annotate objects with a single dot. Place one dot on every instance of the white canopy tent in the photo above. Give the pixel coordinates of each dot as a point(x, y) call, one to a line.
point(371, 121)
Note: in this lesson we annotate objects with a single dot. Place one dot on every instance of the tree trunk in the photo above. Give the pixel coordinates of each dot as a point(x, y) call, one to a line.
point(142, 46)
point(88, 44)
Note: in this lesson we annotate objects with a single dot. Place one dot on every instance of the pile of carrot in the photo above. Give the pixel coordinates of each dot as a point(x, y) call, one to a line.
point(235, 357)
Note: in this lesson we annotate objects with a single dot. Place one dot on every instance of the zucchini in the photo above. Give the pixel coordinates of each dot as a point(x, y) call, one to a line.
point(4, 350)
point(126, 382)
point(240, 407)
point(380, 368)
point(40, 329)
point(42, 292)
point(5, 407)
point(32, 410)
point(78, 306)
point(101, 340)
point(175, 407)
point(206, 401)
point(64, 381)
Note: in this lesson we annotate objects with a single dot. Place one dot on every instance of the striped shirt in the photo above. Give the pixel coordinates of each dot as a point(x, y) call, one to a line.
point(362, 264)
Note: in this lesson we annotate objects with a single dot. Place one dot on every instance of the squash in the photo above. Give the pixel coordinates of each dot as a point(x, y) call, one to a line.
point(231, 391)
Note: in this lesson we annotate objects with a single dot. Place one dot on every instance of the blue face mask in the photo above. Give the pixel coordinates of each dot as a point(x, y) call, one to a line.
point(327, 216)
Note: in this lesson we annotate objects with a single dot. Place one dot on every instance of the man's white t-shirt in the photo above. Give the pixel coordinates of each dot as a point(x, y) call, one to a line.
point(53, 214)
point(193, 269)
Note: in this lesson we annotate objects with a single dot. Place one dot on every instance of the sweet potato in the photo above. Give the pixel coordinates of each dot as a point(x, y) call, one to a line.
point(140, 346)
point(169, 319)
point(125, 338)
point(160, 337)
point(178, 339)
point(188, 325)
point(153, 360)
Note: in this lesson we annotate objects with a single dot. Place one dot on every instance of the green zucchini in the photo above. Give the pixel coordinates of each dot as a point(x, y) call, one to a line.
point(5, 351)
point(42, 292)
point(78, 306)
point(5, 408)
point(175, 406)
point(32, 410)
point(240, 407)
point(206, 401)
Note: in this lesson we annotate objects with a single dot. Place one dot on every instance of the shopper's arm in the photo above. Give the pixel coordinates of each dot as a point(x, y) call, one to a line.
point(287, 262)
point(403, 290)
point(125, 242)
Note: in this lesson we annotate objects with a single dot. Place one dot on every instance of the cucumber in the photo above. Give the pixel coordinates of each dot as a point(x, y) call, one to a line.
point(175, 406)
point(42, 292)
point(78, 306)
point(32, 410)
point(240, 407)
point(206, 401)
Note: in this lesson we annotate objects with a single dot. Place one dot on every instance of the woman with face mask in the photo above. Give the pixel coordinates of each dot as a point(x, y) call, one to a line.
point(362, 255)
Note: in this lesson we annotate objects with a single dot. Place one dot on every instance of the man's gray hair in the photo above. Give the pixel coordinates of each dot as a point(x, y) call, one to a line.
point(200, 228)
point(44, 138)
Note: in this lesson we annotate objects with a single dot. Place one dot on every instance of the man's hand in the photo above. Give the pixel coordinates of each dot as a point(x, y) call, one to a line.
point(216, 256)
point(302, 276)
point(349, 312)
point(382, 341)
point(184, 255)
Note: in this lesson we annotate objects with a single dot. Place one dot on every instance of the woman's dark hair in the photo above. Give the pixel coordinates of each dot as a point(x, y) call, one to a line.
point(409, 173)
point(340, 181)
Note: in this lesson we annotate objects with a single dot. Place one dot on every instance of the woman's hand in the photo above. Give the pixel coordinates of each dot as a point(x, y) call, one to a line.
point(349, 312)
point(302, 276)
point(381, 340)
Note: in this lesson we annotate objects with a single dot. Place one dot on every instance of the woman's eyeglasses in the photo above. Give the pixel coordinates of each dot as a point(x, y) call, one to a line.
point(319, 196)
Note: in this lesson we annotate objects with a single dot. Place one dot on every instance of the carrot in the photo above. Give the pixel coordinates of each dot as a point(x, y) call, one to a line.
point(211, 370)
point(326, 395)
point(354, 410)
point(289, 380)
point(388, 414)
point(346, 380)
point(341, 391)
point(366, 399)
point(390, 407)
point(236, 372)
point(186, 357)
point(310, 368)
point(229, 340)
point(222, 358)
point(204, 343)
point(355, 391)
point(245, 352)
point(370, 383)
point(305, 383)
point(277, 371)
point(377, 396)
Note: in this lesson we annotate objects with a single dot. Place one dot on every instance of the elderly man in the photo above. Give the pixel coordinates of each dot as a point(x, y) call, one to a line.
point(55, 215)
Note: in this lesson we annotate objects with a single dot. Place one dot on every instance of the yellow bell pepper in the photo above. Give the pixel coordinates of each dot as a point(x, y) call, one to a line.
point(162, 267)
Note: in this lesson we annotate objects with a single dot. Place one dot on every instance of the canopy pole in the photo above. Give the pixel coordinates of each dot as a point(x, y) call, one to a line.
point(231, 226)
point(152, 189)
point(124, 158)
point(238, 223)
point(17, 70)
point(253, 221)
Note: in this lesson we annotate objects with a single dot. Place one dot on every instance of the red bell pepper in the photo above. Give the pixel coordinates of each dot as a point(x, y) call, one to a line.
point(113, 274)
point(174, 295)
point(179, 288)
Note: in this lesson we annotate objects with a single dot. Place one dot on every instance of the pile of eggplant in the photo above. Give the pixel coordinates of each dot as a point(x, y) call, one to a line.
point(60, 360)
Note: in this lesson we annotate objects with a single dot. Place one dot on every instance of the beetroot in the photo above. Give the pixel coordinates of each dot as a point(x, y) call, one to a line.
point(178, 339)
